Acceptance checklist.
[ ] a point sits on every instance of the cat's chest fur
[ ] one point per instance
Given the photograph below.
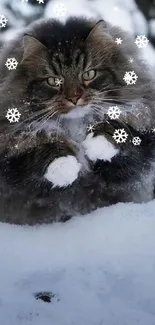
(75, 129)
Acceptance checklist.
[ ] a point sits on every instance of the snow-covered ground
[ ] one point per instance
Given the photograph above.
(100, 267)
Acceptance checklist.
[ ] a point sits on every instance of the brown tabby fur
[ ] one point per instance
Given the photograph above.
(46, 132)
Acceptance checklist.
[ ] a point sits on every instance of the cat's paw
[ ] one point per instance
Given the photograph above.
(63, 171)
(99, 148)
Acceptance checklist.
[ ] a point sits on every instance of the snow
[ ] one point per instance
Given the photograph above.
(99, 148)
(73, 8)
(101, 268)
(152, 27)
(63, 171)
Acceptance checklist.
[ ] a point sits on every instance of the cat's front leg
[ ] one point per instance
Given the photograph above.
(42, 156)
(100, 144)
(63, 171)
(99, 148)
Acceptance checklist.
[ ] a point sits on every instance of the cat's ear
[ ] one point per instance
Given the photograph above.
(31, 48)
(99, 32)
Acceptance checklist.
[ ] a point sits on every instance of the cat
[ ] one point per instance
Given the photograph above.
(61, 158)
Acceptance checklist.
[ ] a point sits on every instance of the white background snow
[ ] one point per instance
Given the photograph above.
(101, 267)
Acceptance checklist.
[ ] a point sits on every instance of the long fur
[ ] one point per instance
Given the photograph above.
(44, 133)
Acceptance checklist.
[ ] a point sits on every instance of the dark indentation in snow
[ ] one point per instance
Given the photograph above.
(45, 296)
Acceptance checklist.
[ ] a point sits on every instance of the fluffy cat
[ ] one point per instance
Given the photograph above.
(61, 159)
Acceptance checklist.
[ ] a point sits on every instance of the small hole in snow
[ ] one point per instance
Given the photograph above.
(44, 296)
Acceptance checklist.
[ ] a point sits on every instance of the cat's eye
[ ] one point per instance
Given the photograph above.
(55, 81)
(89, 75)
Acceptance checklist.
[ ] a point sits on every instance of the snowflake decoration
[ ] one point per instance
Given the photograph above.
(141, 41)
(90, 128)
(13, 115)
(40, 1)
(130, 78)
(59, 9)
(136, 141)
(118, 41)
(120, 136)
(114, 112)
(131, 60)
(3, 21)
(11, 63)
(58, 82)
(153, 130)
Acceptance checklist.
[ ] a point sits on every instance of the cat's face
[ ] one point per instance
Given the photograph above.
(71, 72)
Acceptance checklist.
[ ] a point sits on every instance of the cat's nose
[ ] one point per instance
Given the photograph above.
(74, 99)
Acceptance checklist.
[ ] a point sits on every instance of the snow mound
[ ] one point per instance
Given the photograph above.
(100, 267)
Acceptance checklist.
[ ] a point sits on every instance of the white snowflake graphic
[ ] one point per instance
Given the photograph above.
(90, 128)
(58, 82)
(131, 60)
(114, 112)
(130, 78)
(118, 41)
(120, 136)
(59, 9)
(136, 141)
(153, 130)
(11, 63)
(141, 41)
(3, 21)
(40, 1)
(13, 115)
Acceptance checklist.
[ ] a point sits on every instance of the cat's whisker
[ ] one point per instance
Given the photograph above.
(30, 118)
(115, 89)
(102, 109)
(39, 120)
(48, 103)
(125, 125)
(123, 100)
(105, 110)
(58, 121)
(37, 125)
(34, 115)
(49, 117)
(125, 107)
(104, 88)
(48, 111)
(118, 98)
(98, 111)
